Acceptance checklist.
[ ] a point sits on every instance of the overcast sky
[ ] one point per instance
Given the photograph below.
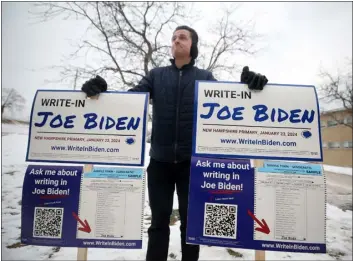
(300, 39)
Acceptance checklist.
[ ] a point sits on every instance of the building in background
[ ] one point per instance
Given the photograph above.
(336, 135)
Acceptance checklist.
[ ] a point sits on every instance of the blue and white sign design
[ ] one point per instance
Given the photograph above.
(280, 207)
(279, 122)
(50, 196)
(66, 127)
(220, 199)
(62, 206)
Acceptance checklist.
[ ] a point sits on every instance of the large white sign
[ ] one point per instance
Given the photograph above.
(67, 127)
(279, 122)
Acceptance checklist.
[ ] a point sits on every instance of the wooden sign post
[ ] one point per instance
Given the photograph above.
(260, 255)
(82, 254)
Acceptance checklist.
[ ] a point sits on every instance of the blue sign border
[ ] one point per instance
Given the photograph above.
(141, 164)
(246, 156)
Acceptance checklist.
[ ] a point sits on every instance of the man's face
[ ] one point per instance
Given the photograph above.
(181, 43)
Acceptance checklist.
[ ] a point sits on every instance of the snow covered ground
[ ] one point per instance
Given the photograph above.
(336, 169)
(14, 145)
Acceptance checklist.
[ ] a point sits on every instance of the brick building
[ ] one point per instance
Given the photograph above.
(337, 137)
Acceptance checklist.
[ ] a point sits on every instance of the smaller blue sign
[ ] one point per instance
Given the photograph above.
(221, 195)
(50, 195)
(222, 205)
(50, 206)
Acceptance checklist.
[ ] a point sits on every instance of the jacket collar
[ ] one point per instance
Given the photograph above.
(186, 66)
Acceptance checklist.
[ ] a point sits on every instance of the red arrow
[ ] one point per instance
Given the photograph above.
(85, 226)
(263, 226)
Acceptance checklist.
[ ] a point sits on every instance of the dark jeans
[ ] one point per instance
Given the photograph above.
(162, 179)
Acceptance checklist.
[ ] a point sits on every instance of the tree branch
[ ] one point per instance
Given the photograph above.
(130, 38)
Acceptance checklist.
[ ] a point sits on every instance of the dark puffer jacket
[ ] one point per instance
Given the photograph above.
(172, 92)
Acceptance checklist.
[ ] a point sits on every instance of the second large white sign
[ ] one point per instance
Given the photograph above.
(279, 122)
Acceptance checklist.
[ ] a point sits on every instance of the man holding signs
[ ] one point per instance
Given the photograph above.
(172, 89)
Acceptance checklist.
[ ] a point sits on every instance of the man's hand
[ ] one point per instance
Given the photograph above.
(94, 86)
(255, 81)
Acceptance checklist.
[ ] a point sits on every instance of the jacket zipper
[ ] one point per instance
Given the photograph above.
(177, 119)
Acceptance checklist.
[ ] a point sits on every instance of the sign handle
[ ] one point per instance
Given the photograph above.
(260, 255)
(82, 252)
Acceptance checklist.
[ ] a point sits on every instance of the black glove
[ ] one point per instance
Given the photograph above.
(255, 81)
(94, 86)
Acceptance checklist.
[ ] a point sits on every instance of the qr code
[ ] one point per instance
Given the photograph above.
(48, 222)
(220, 220)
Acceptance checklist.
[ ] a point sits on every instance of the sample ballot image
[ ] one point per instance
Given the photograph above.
(111, 201)
(292, 199)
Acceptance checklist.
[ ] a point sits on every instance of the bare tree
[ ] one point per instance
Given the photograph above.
(338, 89)
(232, 38)
(133, 37)
(11, 100)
